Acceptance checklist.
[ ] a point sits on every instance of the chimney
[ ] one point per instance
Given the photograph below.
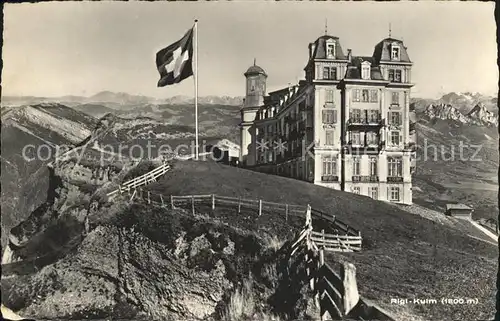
(349, 55)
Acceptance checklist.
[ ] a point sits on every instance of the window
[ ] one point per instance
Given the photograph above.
(355, 138)
(371, 138)
(374, 193)
(356, 190)
(329, 166)
(329, 96)
(373, 166)
(373, 96)
(333, 73)
(395, 167)
(329, 137)
(329, 116)
(330, 50)
(395, 75)
(365, 95)
(395, 98)
(355, 95)
(395, 118)
(394, 194)
(395, 52)
(356, 115)
(395, 138)
(330, 73)
(373, 116)
(365, 72)
(355, 166)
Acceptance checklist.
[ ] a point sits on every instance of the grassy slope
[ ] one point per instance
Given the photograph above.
(404, 255)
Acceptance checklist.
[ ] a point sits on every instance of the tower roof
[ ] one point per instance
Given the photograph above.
(255, 70)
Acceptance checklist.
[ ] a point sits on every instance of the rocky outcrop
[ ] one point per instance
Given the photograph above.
(445, 111)
(481, 116)
(158, 264)
(478, 115)
(32, 136)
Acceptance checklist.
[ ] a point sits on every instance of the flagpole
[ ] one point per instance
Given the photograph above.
(196, 85)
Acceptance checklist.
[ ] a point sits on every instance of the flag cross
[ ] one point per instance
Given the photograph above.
(175, 64)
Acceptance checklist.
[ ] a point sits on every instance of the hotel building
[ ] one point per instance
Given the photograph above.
(346, 126)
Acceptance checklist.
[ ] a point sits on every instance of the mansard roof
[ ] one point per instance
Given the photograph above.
(382, 52)
(320, 48)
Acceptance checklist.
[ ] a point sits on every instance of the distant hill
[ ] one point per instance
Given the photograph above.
(119, 101)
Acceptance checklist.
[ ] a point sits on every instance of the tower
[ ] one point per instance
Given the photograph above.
(254, 99)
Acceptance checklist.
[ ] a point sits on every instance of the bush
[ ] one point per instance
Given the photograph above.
(273, 242)
(241, 305)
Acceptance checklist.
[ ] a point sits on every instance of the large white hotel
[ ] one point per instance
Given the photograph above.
(346, 126)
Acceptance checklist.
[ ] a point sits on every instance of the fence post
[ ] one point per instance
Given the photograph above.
(120, 189)
(213, 202)
(333, 216)
(133, 194)
(192, 202)
(172, 201)
(286, 212)
(162, 203)
(323, 237)
(239, 205)
(260, 207)
(149, 198)
(321, 257)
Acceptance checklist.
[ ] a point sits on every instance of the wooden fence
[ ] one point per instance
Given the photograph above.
(350, 242)
(327, 284)
(140, 181)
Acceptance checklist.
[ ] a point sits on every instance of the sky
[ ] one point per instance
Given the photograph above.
(81, 48)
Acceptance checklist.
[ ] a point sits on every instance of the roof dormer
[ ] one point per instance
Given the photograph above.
(366, 70)
(395, 51)
(331, 50)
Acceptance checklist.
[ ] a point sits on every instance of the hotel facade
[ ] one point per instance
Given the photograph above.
(346, 126)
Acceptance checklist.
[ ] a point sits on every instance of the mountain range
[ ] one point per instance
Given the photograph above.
(478, 115)
(119, 100)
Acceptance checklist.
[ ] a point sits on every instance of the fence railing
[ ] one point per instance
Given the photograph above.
(192, 202)
(141, 180)
(335, 242)
(327, 284)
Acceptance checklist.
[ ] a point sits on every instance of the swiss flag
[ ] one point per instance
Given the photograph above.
(174, 62)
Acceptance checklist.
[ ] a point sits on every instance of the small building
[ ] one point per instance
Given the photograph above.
(459, 211)
(224, 151)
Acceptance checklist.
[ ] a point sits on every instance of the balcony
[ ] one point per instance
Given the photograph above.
(365, 179)
(394, 179)
(329, 178)
(396, 126)
(351, 122)
(362, 149)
